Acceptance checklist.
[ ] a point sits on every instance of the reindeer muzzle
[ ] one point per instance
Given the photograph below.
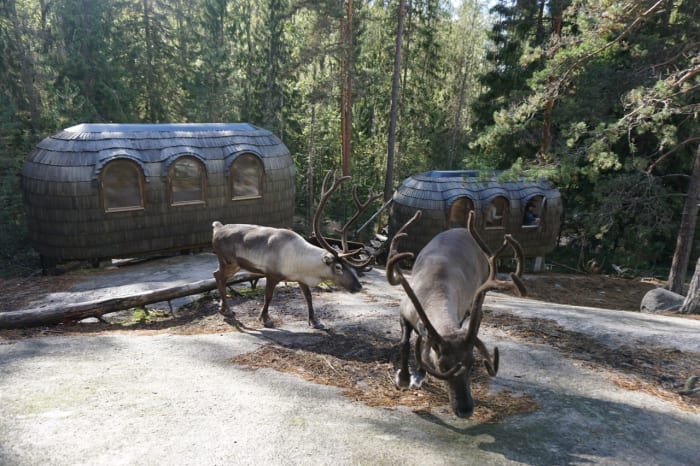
(453, 372)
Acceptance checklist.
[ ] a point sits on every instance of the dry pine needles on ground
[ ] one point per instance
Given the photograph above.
(372, 383)
(656, 370)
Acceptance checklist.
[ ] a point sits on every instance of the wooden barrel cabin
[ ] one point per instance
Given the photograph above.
(529, 210)
(102, 191)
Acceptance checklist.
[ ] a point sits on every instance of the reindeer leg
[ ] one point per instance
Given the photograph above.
(403, 375)
(313, 321)
(270, 284)
(418, 376)
(221, 275)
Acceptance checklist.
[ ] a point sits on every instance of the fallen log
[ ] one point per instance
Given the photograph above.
(64, 313)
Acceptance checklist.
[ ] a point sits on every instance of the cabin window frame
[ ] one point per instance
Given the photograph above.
(232, 177)
(202, 180)
(458, 219)
(504, 213)
(104, 190)
(541, 213)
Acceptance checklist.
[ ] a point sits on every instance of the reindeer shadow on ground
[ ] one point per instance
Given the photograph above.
(587, 430)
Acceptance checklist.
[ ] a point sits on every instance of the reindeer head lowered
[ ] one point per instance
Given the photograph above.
(454, 271)
(282, 254)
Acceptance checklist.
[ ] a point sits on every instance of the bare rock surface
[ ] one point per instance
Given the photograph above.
(169, 397)
(661, 300)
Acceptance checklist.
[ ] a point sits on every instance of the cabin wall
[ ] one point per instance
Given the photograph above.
(66, 218)
(434, 195)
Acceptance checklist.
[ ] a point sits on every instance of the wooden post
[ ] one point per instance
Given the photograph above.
(538, 266)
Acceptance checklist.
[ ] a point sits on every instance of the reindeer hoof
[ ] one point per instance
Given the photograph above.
(317, 324)
(402, 379)
(267, 323)
(417, 380)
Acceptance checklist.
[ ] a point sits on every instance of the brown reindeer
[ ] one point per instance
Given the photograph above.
(281, 254)
(449, 280)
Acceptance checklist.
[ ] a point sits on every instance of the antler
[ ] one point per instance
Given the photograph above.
(361, 208)
(346, 255)
(491, 283)
(491, 367)
(325, 194)
(395, 276)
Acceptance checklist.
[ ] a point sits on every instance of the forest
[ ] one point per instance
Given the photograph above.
(600, 97)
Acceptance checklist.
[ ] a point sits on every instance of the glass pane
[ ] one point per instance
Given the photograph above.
(459, 212)
(495, 212)
(186, 181)
(246, 177)
(534, 210)
(121, 185)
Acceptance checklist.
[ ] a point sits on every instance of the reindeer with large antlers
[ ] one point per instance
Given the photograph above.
(281, 254)
(450, 278)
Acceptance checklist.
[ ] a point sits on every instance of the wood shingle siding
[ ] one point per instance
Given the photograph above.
(436, 192)
(63, 187)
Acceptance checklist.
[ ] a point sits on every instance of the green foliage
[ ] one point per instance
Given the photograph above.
(142, 315)
(16, 254)
(603, 101)
(620, 213)
(617, 89)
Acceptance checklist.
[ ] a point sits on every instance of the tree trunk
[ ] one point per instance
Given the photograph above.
(549, 105)
(27, 72)
(466, 62)
(310, 159)
(247, 111)
(77, 311)
(346, 91)
(389, 178)
(691, 305)
(684, 242)
(151, 105)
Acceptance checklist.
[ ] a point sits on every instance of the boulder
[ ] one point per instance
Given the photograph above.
(661, 300)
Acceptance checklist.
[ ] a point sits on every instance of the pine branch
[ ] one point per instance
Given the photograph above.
(675, 148)
(638, 21)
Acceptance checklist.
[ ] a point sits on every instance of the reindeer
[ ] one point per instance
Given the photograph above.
(450, 278)
(281, 254)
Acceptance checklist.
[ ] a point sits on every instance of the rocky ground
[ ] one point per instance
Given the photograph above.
(179, 383)
(604, 291)
(361, 375)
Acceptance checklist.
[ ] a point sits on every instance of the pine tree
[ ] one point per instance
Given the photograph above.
(617, 84)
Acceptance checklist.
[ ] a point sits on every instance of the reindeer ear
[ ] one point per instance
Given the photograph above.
(328, 259)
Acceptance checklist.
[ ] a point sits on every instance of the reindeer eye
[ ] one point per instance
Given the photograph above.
(338, 269)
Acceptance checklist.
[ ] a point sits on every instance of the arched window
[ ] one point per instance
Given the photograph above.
(246, 177)
(533, 214)
(459, 212)
(122, 186)
(187, 181)
(496, 213)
